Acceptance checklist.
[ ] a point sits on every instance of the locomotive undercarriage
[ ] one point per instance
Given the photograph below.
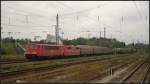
(35, 57)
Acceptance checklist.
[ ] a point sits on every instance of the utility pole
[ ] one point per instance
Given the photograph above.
(88, 34)
(62, 34)
(9, 34)
(57, 30)
(104, 32)
(1, 38)
(99, 37)
(99, 34)
(9, 20)
(27, 19)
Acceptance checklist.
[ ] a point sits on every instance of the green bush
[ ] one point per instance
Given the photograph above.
(7, 48)
(8, 45)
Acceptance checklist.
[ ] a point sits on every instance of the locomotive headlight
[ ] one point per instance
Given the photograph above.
(30, 52)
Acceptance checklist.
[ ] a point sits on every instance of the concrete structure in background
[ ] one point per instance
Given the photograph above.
(52, 39)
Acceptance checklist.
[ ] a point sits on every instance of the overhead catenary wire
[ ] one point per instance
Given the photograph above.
(89, 16)
(22, 25)
(138, 9)
(19, 32)
(89, 10)
(66, 14)
(23, 11)
(81, 11)
(47, 17)
(139, 12)
(23, 21)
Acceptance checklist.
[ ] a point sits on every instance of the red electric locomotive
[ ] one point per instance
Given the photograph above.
(44, 51)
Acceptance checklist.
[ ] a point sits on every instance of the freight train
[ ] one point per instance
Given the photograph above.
(45, 51)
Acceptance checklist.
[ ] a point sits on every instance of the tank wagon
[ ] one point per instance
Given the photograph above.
(86, 50)
(45, 51)
(101, 50)
(124, 50)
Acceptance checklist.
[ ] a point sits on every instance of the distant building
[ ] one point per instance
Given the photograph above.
(52, 39)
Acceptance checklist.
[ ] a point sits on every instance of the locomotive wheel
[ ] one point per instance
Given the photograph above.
(31, 56)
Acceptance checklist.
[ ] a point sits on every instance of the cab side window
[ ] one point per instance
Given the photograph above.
(47, 47)
(69, 48)
(52, 47)
(77, 48)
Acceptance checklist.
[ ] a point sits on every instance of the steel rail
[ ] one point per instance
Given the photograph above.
(146, 75)
(131, 73)
(51, 66)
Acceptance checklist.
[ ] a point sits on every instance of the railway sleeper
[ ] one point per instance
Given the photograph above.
(109, 71)
(131, 73)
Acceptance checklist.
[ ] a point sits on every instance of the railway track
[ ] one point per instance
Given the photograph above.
(57, 77)
(13, 61)
(61, 59)
(138, 75)
(15, 75)
(109, 71)
(58, 74)
(146, 76)
(25, 61)
(70, 62)
(8, 75)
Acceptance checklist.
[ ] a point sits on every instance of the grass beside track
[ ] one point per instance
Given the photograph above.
(30, 65)
(12, 57)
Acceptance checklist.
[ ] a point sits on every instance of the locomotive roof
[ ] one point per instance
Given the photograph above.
(67, 45)
(46, 44)
(52, 45)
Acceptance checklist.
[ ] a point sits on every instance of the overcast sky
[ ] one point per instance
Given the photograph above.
(127, 21)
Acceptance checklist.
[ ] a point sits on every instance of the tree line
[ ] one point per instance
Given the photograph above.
(8, 44)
